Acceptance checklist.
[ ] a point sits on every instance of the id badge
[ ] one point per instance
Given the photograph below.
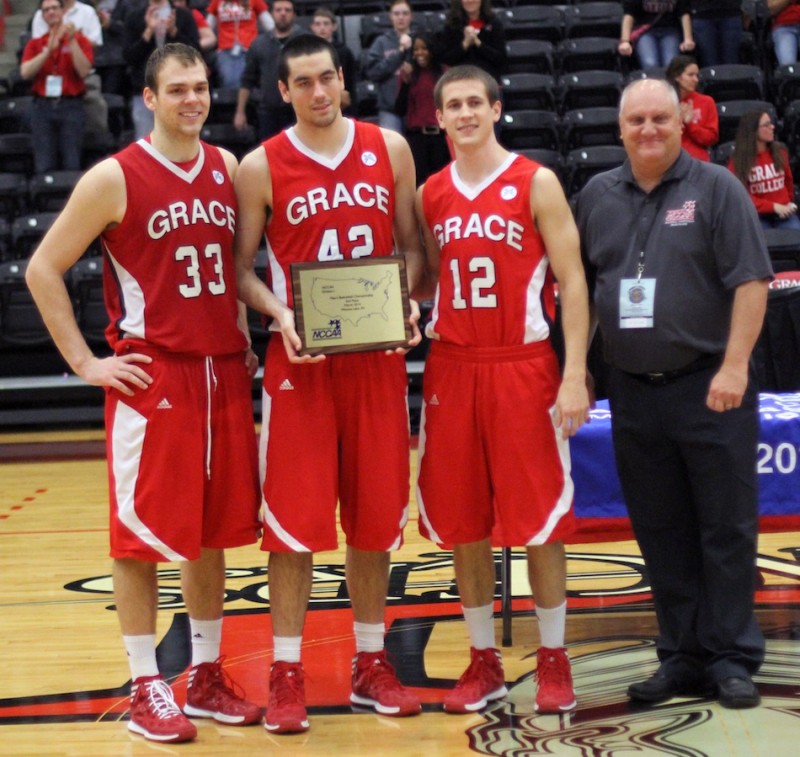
(53, 86)
(636, 301)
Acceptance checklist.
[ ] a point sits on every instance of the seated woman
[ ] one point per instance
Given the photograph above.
(698, 111)
(762, 165)
(657, 29)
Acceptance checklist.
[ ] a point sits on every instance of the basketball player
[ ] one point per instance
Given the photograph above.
(181, 449)
(328, 188)
(494, 456)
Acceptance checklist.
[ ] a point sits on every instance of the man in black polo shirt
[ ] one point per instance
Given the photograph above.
(680, 271)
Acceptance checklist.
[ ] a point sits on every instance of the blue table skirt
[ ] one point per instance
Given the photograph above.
(598, 500)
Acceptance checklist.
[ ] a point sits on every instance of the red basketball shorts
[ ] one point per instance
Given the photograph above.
(182, 458)
(334, 430)
(491, 463)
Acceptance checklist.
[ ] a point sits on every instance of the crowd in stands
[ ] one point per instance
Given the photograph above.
(82, 70)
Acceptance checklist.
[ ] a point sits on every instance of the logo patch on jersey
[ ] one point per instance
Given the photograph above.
(164, 404)
(369, 158)
(433, 400)
(218, 177)
(681, 216)
(286, 386)
(508, 192)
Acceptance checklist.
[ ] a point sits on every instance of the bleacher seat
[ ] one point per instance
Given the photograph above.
(589, 89)
(227, 136)
(118, 113)
(16, 153)
(96, 146)
(27, 231)
(372, 25)
(86, 285)
(49, 191)
(550, 158)
(595, 19)
(732, 81)
(366, 99)
(785, 85)
(790, 126)
(20, 322)
(530, 56)
(589, 127)
(656, 72)
(731, 112)
(5, 240)
(784, 248)
(581, 164)
(524, 129)
(14, 199)
(15, 114)
(587, 54)
(528, 91)
(722, 151)
(533, 22)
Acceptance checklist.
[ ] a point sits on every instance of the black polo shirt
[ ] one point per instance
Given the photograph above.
(701, 239)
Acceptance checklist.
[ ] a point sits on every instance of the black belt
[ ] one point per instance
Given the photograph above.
(660, 378)
(429, 130)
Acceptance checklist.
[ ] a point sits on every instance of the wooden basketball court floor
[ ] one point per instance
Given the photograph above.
(63, 674)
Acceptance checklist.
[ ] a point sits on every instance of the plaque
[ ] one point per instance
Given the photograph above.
(351, 305)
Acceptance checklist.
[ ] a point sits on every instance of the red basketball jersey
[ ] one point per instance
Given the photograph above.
(336, 208)
(495, 285)
(170, 278)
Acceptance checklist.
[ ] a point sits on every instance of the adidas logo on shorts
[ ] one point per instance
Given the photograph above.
(286, 386)
(164, 405)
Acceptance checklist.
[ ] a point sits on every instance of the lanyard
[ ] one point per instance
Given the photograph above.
(643, 235)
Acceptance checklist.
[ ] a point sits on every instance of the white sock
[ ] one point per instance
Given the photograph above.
(480, 624)
(369, 636)
(206, 639)
(141, 655)
(286, 648)
(552, 621)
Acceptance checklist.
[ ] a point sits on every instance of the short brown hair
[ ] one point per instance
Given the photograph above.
(466, 73)
(188, 56)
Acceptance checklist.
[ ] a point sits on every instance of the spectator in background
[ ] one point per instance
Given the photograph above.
(474, 34)
(385, 58)
(416, 104)
(58, 61)
(150, 24)
(717, 30)
(698, 111)
(82, 16)
(785, 29)
(109, 58)
(762, 165)
(206, 35)
(657, 29)
(236, 23)
(261, 73)
(324, 24)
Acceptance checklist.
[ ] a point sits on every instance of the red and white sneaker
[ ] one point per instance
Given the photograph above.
(554, 691)
(286, 711)
(154, 713)
(375, 685)
(213, 694)
(482, 682)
